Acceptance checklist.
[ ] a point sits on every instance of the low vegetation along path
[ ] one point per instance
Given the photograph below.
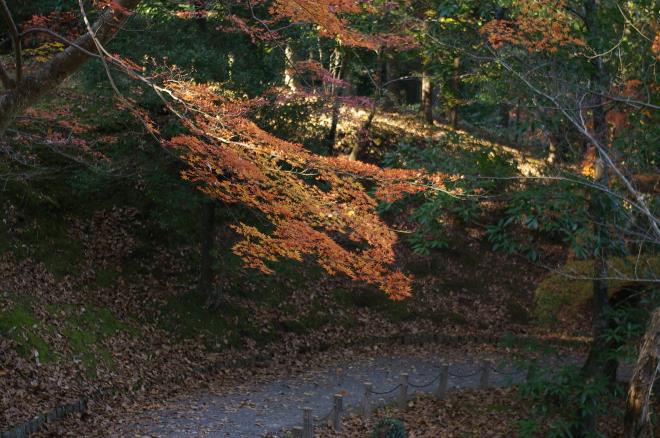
(259, 409)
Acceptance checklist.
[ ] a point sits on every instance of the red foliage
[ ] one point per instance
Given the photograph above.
(330, 17)
(315, 205)
(539, 25)
(66, 24)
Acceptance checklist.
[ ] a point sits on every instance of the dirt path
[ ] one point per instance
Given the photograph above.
(261, 408)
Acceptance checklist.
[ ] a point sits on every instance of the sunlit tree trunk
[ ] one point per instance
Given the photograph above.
(363, 133)
(339, 63)
(390, 88)
(426, 105)
(637, 416)
(289, 70)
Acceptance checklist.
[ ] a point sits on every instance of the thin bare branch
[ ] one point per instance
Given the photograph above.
(630, 22)
(581, 127)
(100, 49)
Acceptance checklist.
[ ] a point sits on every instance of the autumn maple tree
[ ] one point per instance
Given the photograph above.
(315, 205)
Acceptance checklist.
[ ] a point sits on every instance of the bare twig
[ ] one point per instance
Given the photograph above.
(630, 22)
(100, 49)
(579, 124)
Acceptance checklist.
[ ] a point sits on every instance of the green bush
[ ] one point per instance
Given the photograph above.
(388, 428)
(561, 292)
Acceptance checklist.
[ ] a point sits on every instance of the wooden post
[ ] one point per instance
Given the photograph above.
(337, 409)
(297, 432)
(531, 370)
(485, 374)
(308, 427)
(442, 381)
(403, 391)
(366, 401)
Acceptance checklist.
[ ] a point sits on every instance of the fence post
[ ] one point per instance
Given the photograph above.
(403, 390)
(336, 412)
(531, 370)
(485, 374)
(366, 401)
(442, 381)
(308, 427)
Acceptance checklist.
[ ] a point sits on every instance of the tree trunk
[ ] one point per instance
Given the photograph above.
(366, 126)
(426, 106)
(338, 66)
(289, 70)
(518, 122)
(51, 74)
(331, 137)
(637, 419)
(205, 285)
(600, 358)
(505, 118)
(363, 133)
(456, 86)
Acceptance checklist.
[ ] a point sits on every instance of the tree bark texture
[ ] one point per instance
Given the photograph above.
(637, 414)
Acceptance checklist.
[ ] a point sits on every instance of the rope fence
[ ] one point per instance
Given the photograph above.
(366, 405)
(387, 392)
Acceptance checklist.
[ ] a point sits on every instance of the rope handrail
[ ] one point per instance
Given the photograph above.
(325, 418)
(333, 417)
(435, 379)
(508, 373)
(387, 392)
(463, 376)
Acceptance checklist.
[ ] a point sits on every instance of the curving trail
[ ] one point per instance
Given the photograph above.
(260, 409)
